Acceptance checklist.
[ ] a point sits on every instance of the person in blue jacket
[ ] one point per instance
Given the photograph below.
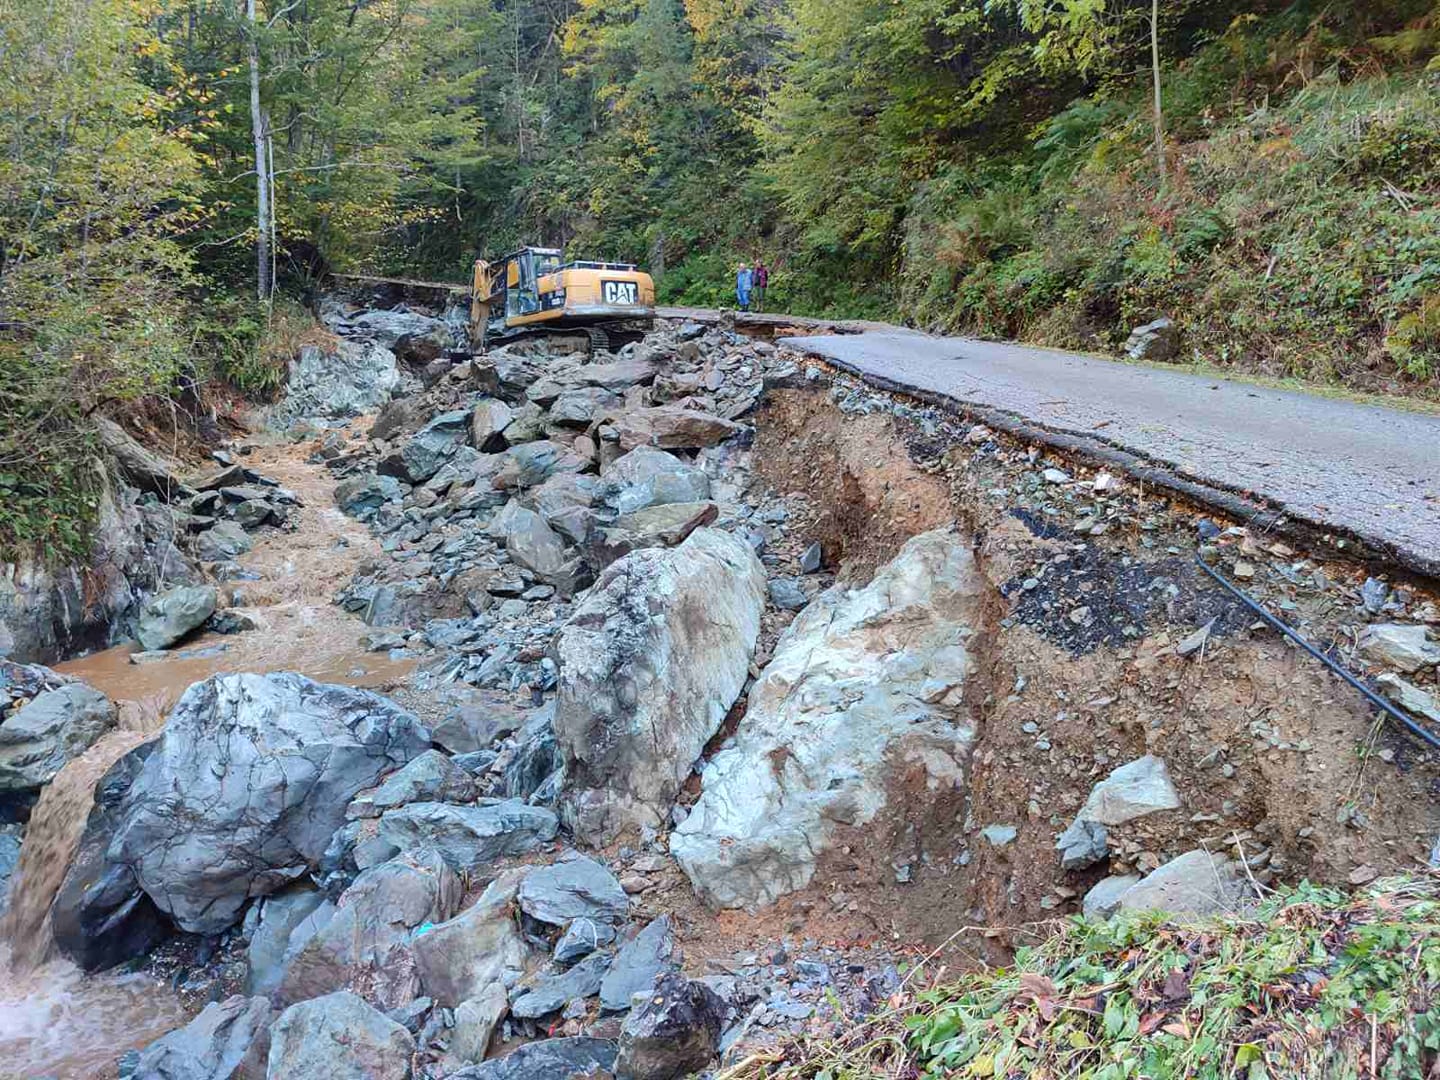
(744, 281)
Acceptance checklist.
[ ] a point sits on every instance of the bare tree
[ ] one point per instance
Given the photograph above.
(1159, 105)
(260, 129)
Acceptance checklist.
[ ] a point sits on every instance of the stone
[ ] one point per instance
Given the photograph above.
(254, 513)
(649, 477)
(575, 887)
(460, 959)
(671, 427)
(338, 1035)
(1197, 883)
(1084, 843)
(549, 1059)
(403, 331)
(668, 524)
(431, 777)
(428, 449)
(369, 936)
(9, 859)
(1103, 899)
(999, 835)
(580, 406)
(100, 917)
(1132, 791)
(674, 1033)
(470, 837)
(649, 664)
(1158, 340)
(476, 727)
(139, 467)
(38, 739)
(349, 379)
(842, 708)
(637, 965)
(475, 1022)
(581, 938)
(549, 992)
(787, 595)
(361, 496)
(231, 621)
(1193, 643)
(203, 838)
(533, 545)
(488, 422)
(229, 1040)
(223, 541)
(169, 616)
(1405, 648)
(280, 914)
(1408, 697)
(531, 464)
(811, 559)
(618, 375)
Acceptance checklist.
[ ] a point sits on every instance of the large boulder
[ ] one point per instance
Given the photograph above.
(649, 665)
(461, 959)
(37, 740)
(649, 477)
(580, 406)
(360, 496)
(617, 375)
(1196, 884)
(640, 961)
(139, 467)
(250, 780)
(531, 464)
(575, 887)
(229, 1040)
(369, 937)
(415, 338)
(671, 427)
(100, 916)
(551, 991)
(351, 378)
(168, 616)
(429, 448)
(532, 544)
(675, 1033)
(549, 1059)
(280, 915)
(861, 706)
(338, 1036)
(469, 837)
(488, 423)
(431, 777)
(223, 541)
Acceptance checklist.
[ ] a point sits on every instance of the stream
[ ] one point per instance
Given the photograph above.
(56, 1021)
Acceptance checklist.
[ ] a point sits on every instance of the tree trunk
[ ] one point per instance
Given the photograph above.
(264, 222)
(1159, 105)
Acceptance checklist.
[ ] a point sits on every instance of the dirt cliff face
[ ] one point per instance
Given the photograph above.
(1095, 590)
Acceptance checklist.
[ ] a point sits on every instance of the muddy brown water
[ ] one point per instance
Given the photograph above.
(54, 1020)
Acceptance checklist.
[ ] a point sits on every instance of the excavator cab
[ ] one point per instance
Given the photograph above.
(535, 290)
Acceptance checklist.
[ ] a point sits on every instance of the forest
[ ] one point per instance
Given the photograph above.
(177, 175)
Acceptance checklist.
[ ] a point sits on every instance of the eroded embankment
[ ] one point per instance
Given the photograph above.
(1079, 669)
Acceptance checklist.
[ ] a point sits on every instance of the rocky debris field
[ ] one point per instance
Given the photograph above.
(739, 688)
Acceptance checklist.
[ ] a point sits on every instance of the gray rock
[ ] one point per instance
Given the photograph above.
(223, 541)
(811, 559)
(1158, 340)
(254, 513)
(470, 837)
(100, 916)
(1103, 899)
(618, 375)
(423, 454)
(139, 467)
(1197, 883)
(229, 1040)
(1134, 790)
(636, 966)
(475, 1022)
(475, 727)
(531, 464)
(1408, 697)
(203, 838)
(407, 332)
(674, 1033)
(579, 407)
(167, 617)
(999, 835)
(488, 423)
(533, 545)
(338, 1036)
(831, 718)
(786, 594)
(350, 379)
(671, 427)
(649, 477)
(549, 1059)
(549, 992)
(431, 777)
(9, 858)
(1084, 843)
(461, 959)
(369, 935)
(1405, 648)
(280, 914)
(581, 938)
(361, 496)
(37, 740)
(575, 887)
(649, 664)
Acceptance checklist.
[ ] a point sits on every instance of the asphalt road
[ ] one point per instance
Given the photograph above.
(1371, 472)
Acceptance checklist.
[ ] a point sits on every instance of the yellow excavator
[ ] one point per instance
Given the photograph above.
(534, 290)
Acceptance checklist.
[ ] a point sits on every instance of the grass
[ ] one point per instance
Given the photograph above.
(1312, 984)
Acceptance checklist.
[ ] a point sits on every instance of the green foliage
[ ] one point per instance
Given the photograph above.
(1311, 984)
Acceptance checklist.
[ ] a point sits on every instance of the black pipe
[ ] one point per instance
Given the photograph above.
(1294, 635)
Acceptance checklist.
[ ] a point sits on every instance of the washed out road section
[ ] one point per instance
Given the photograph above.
(1362, 470)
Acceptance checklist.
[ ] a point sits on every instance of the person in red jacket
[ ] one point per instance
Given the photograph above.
(761, 282)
